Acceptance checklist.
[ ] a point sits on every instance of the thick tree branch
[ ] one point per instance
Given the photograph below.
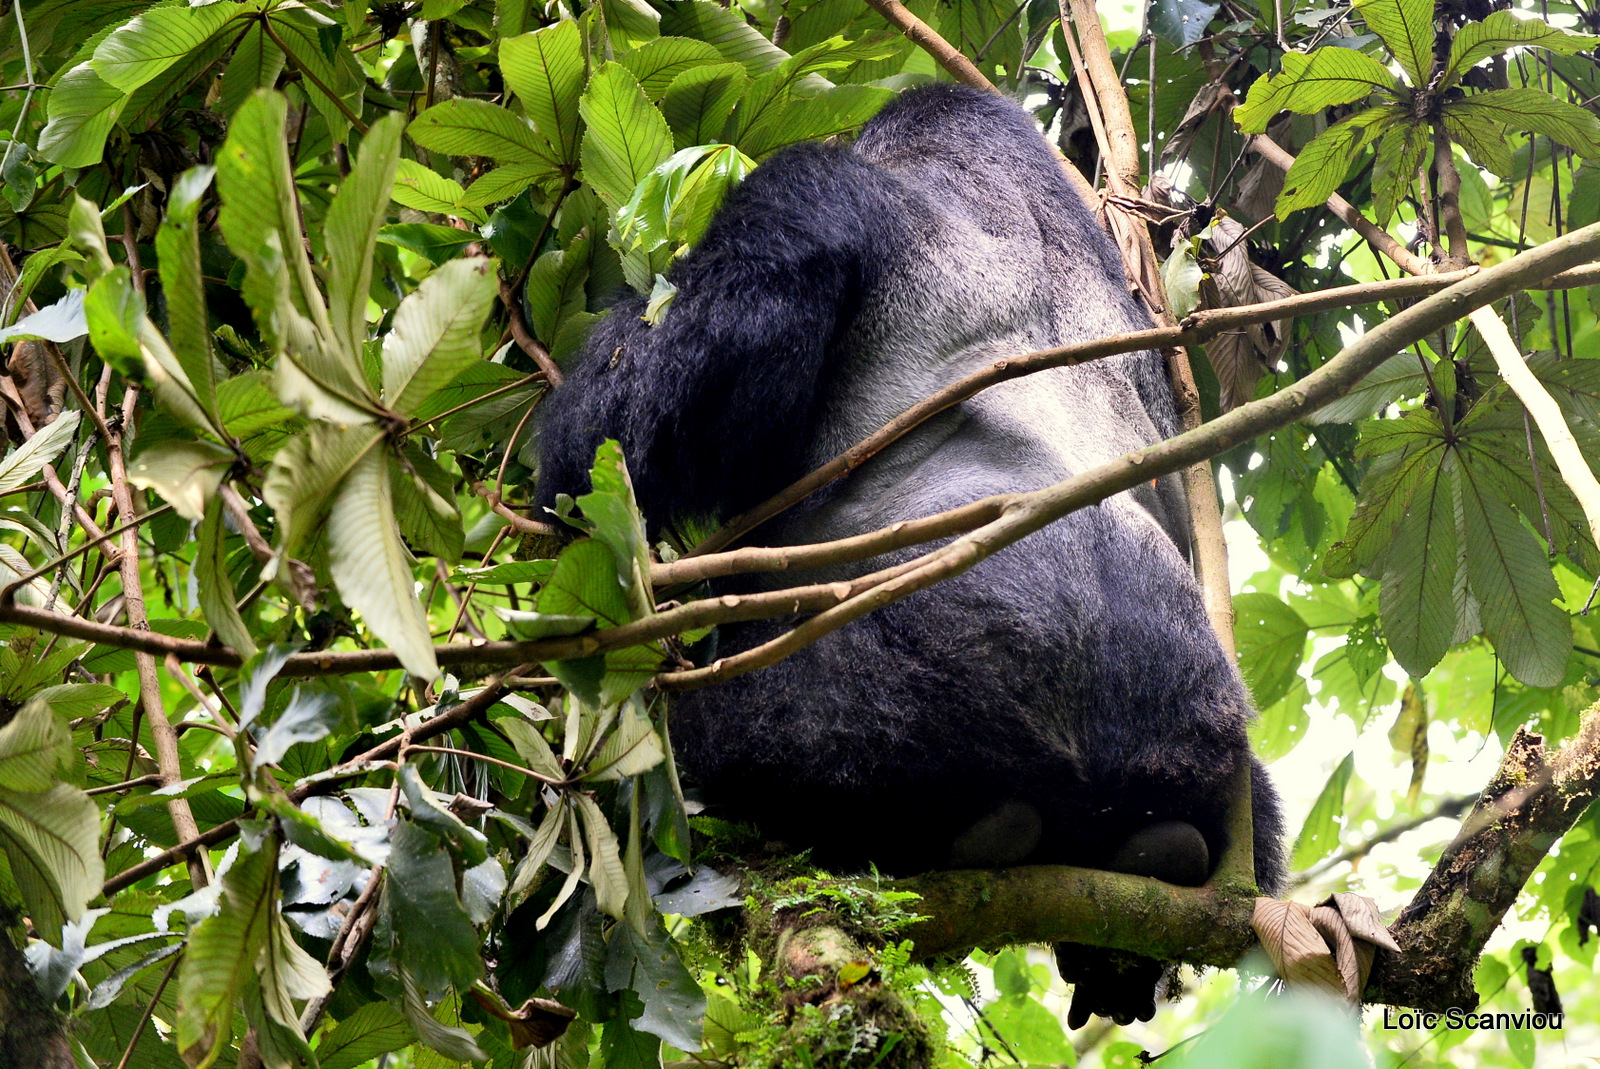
(1529, 804)
(927, 38)
(155, 713)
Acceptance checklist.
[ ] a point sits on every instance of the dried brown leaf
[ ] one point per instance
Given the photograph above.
(1296, 948)
(1331, 926)
(1362, 918)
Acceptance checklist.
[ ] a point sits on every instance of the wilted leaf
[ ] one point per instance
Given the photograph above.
(1296, 949)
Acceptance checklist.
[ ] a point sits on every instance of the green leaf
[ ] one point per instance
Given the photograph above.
(1417, 596)
(674, 1005)
(1396, 379)
(585, 584)
(546, 70)
(370, 566)
(1483, 139)
(1308, 83)
(1404, 450)
(467, 843)
(222, 955)
(34, 748)
(376, 1028)
(1271, 639)
(22, 465)
(830, 113)
(214, 586)
(424, 505)
(417, 187)
(725, 30)
(1400, 154)
(630, 23)
(1503, 30)
(1180, 277)
(1320, 168)
(435, 331)
(303, 33)
(555, 288)
(658, 63)
(256, 64)
(83, 109)
(504, 183)
(185, 472)
(260, 219)
(1406, 26)
(305, 473)
(1510, 576)
(52, 841)
(421, 923)
(531, 746)
(1028, 1029)
(626, 137)
(698, 102)
(1537, 112)
(1319, 836)
(437, 243)
(606, 874)
(1180, 23)
(351, 231)
(247, 405)
(613, 514)
(178, 254)
(149, 44)
(464, 126)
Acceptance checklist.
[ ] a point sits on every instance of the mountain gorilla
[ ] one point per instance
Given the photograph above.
(1063, 702)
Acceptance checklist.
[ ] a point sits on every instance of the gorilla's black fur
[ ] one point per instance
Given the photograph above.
(1064, 701)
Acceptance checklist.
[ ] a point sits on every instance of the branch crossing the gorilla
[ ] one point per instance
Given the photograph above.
(984, 526)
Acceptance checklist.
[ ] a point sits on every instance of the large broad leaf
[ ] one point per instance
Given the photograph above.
(1502, 30)
(83, 109)
(305, 473)
(1482, 137)
(222, 954)
(425, 507)
(546, 71)
(52, 840)
(585, 584)
(1319, 836)
(155, 40)
(1536, 111)
(764, 104)
(1309, 83)
(259, 217)
(468, 127)
(435, 332)
(657, 63)
(351, 231)
(1403, 452)
(422, 928)
(304, 33)
(375, 1029)
(1271, 638)
(178, 253)
(1398, 378)
(62, 321)
(1406, 26)
(626, 137)
(370, 565)
(1181, 23)
(725, 30)
(417, 187)
(34, 748)
(830, 113)
(1417, 597)
(214, 586)
(698, 102)
(674, 1005)
(255, 64)
(606, 874)
(185, 473)
(1510, 576)
(21, 466)
(1400, 154)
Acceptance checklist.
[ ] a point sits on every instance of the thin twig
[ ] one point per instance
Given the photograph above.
(149, 1011)
(414, 748)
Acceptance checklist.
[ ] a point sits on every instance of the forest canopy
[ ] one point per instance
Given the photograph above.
(320, 745)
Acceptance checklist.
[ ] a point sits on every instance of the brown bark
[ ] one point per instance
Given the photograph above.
(31, 1031)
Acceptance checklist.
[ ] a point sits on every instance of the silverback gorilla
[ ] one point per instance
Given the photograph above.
(1063, 702)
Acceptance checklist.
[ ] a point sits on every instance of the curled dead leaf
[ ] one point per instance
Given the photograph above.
(1295, 946)
(1361, 916)
(538, 1022)
(1330, 925)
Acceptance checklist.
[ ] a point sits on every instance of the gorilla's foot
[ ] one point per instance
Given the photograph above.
(1005, 836)
(1173, 851)
(1108, 983)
